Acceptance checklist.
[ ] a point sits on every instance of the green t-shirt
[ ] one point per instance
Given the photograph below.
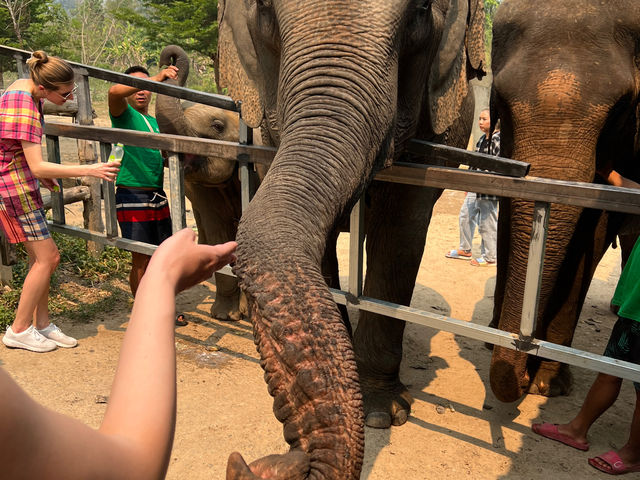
(627, 295)
(141, 167)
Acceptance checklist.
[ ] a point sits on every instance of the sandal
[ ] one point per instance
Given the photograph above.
(459, 254)
(180, 321)
(481, 262)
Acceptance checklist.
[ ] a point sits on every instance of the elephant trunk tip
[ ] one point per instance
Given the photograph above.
(290, 466)
(506, 384)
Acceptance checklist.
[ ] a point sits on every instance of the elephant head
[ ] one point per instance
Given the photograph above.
(566, 89)
(340, 86)
(195, 120)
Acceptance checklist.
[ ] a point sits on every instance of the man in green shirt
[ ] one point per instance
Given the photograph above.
(141, 203)
(624, 344)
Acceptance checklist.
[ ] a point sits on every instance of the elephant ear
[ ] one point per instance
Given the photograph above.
(448, 81)
(233, 30)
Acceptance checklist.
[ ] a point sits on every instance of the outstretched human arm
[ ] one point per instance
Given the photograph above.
(41, 169)
(135, 438)
(118, 93)
(617, 180)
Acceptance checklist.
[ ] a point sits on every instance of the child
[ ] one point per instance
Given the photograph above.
(624, 344)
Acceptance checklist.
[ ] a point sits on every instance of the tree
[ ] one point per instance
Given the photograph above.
(490, 7)
(192, 24)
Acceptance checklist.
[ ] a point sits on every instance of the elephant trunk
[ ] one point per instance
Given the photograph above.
(194, 120)
(557, 149)
(332, 135)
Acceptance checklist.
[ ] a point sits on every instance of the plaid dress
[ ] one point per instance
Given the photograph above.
(20, 119)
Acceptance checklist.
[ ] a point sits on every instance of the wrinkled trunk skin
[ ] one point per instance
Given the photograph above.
(571, 253)
(306, 351)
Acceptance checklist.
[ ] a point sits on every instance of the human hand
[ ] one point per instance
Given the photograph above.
(187, 263)
(50, 184)
(170, 72)
(106, 171)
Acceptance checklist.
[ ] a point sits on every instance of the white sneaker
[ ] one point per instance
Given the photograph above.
(54, 334)
(30, 339)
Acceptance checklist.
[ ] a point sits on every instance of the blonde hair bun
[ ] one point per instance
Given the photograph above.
(50, 72)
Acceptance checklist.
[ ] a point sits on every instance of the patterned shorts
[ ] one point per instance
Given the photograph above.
(624, 343)
(143, 215)
(29, 227)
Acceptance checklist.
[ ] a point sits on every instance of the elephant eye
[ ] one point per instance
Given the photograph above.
(264, 3)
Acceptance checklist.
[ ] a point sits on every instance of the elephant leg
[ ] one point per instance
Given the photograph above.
(217, 211)
(396, 234)
(332, 275)
(230, 304)
(551, 378)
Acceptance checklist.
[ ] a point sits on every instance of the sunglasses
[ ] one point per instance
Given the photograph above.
(69, 93)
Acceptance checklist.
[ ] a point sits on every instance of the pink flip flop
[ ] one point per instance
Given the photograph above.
(615, 463)
(550, 430)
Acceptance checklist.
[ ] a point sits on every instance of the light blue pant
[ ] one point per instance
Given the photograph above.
(483, 214)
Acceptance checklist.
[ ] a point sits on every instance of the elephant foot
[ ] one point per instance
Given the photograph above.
(384, 408)
(231, 308)
(552, 379)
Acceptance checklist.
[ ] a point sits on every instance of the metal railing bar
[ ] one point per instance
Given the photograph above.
(483, 333)
(582, 194)
(445, 155)
(214, 100)
(163, 141)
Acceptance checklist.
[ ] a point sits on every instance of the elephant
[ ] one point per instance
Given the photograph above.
(340, 88)
(566, 84)
(211, 184)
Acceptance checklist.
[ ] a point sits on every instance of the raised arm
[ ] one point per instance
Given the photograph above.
(118, 93)
(135, 438)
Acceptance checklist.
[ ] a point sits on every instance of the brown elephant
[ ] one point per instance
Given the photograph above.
(340, 87)
(211, 184)
(566, 89)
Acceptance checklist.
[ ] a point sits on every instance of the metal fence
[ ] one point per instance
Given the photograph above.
(508, 181)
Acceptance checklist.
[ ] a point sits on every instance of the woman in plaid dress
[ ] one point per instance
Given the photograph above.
(22, 169)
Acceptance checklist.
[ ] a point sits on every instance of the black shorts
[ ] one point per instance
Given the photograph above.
(143, 215)
(624, 342)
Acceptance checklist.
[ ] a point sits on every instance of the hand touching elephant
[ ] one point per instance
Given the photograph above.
(340, 88)
(566, 88)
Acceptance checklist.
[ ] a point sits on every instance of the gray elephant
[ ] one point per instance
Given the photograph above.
(211, 183)
(566, 89)
(340, 87)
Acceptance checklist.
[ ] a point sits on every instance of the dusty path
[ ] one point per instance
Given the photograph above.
(223, 405)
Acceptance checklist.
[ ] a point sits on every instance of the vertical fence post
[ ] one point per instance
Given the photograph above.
(87, 154)
(176, 189)
(356, 243)
(245, 137)
(57, 199)
(535, 263)
(109, 191)
(21, 66)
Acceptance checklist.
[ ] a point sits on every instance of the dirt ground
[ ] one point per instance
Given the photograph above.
(223, 404)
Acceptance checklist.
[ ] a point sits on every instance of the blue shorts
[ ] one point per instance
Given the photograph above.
(624, 343)
(143, 215)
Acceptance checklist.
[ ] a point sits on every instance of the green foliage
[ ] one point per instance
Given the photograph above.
(490, 7)
(192, 24)
(77, 272)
